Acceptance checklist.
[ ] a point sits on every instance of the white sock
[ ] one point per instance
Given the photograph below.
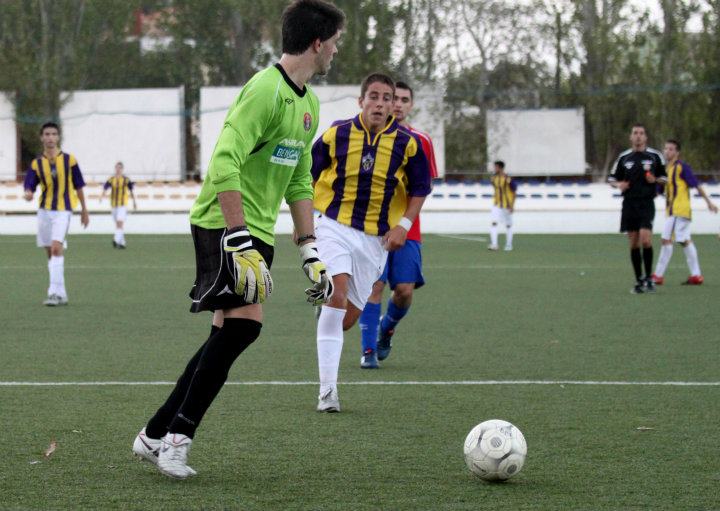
(692, 259)
(664, 259)
(118, 236)
(329, 345)
(493, 235)
(57, 275)
(509, 236)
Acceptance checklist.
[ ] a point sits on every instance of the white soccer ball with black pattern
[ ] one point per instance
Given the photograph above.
(495, 450)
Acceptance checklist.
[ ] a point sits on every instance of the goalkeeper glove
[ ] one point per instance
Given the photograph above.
(315, 269)
(252, 277)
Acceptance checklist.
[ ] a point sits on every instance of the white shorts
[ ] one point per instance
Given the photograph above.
(347, 250)
(501, 216)
(52, 226)
(677, 225)
(119, 213)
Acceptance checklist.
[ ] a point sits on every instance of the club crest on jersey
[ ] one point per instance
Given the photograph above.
(368, 161)
(307, 121)
(629, 164)
(647, 164)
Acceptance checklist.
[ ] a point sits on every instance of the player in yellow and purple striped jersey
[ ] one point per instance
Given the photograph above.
(371, 179)
(61, 184)
(680, 179)
(121, 189)
(503, 206)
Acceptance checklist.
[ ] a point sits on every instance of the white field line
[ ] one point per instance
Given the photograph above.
(464, 238)
(612, 383)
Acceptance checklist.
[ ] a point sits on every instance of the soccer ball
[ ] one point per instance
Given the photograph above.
(495, 450)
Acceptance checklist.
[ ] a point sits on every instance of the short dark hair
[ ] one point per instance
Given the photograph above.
(49, 125)
(304, 21)
(500, 164)
(639, 125)
(673, 142)
(121, 164)
(376, 78)
(403, 85)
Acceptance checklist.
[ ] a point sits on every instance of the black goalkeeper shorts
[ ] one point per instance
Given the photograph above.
(637, 214)
(214, 287)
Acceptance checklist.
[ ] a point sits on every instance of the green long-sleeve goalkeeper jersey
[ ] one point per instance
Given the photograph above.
(263, 152)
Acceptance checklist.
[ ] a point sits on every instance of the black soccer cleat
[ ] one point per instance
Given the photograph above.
(639, 288)
(649, 285)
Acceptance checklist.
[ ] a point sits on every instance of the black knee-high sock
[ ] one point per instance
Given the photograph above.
(648, 259)
(158, 425)
(212, 370)
(636, 262)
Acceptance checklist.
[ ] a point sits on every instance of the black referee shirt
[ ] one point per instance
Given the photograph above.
(632, 165)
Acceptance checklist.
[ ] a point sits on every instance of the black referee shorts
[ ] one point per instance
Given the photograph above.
(637, 214)
(214, 287)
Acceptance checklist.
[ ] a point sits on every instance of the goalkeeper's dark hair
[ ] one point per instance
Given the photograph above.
(49, 125)
(673, 142)
(305, 21)
(404, 85)
(499, 163)
(376, 78)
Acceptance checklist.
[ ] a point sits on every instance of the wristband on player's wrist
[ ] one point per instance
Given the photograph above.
(405, 223)
(306, 237)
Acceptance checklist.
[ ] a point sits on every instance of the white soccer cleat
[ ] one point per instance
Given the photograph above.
(508, 248)
(328, 401)
(493, 248)
(146, 448)
(172, 459)
(52, 300)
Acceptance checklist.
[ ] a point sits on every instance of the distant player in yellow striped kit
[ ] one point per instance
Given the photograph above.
(680, 179)
(121, 188)
(61, 184)
(503, 206)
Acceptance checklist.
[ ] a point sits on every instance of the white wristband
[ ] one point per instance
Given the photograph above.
(405, 223)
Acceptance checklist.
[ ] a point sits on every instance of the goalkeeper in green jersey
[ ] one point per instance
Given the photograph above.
(263, 156)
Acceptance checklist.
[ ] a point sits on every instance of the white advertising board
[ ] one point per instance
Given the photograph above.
(8, 140)
(143, 128)
(537, 142)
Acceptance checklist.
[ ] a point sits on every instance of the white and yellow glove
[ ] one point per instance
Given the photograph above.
(316, 271)
(250, 271)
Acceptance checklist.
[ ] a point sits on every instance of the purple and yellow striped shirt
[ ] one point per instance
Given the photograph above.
(59, 179)
(364, 180)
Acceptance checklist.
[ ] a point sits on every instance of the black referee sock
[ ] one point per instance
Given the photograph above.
(157, 426)
(636, 262)
(212, 370)
(648, 259)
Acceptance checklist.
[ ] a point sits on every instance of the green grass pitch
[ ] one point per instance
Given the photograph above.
(557, 308)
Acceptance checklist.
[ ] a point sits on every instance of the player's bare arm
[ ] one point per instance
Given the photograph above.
(132, 195)
(395, 237)
(232, 210)
(712, 207)
(29, 195)
(84, 215)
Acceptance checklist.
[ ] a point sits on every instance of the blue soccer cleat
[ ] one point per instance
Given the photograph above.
(384, 344)
(369, 360)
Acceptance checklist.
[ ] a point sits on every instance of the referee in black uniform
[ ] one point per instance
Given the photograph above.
(636, 174)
